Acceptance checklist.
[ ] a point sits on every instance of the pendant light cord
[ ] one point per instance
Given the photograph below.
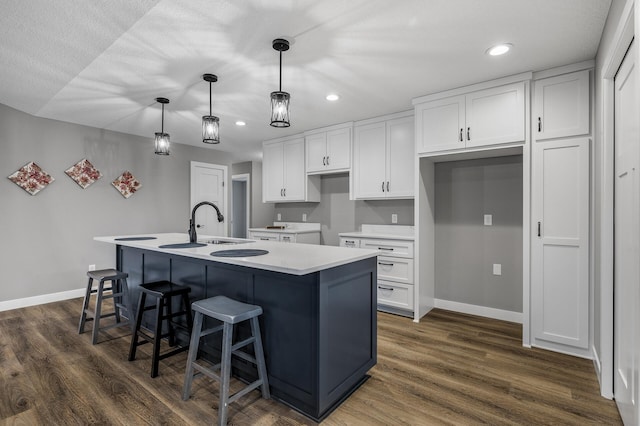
(281, 71)
(210, 113)
(162, 129)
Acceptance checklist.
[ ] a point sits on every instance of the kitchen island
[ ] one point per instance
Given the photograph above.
(319, 303)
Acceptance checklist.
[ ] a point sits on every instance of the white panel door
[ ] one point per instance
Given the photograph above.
(400, 157)
(272, 172)
(369, 161)
(626, 243)
(294, 171)
(495, 116)
(208, 184)
(560, 243)
(561, 106)
(440, 125)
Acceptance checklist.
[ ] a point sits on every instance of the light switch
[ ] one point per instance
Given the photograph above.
(279, 217)
(304, 217)
(394, 218)
(497, 269)
(488, 219)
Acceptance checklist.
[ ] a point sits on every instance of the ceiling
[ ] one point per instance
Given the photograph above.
(103, 63)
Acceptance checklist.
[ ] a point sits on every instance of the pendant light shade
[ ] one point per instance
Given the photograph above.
(210, 123)
(280, 100)
(162, 138)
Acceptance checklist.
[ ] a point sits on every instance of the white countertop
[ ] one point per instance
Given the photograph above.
(290, 258)
(387, 232)
(291, 228)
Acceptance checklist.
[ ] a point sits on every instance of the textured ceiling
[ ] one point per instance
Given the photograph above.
(102, 63)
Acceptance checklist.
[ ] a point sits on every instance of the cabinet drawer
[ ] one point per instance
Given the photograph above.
(399, 248)
(350, 242)
(264, 236)
(288, 238)
(395, 294)
(395, 269)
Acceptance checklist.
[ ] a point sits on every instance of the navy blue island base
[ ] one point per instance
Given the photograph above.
(318, 330)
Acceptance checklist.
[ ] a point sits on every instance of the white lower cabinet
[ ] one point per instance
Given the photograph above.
(395, 271)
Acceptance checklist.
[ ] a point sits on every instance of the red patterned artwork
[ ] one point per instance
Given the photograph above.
(127, 184)
(83, 173)
(31, 178)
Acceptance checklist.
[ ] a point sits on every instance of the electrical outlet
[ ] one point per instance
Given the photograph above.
(488, 219)
(304, 217)
(497, 269)
(394, 218)
(279, 217)
(92, 267)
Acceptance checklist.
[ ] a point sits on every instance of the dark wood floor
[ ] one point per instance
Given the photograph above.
(448, 369)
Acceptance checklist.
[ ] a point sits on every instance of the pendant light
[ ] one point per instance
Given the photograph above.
(210, 123)
(162, 138)
(280, 99)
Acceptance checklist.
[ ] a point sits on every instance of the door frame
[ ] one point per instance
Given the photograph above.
(604, 361)
(243, 177)
(225, 190)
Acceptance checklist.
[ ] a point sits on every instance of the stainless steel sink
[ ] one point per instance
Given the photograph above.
(222, 241)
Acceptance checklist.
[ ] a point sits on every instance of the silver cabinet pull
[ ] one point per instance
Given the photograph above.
(327, 160)
(539, 233)
(284, 191)
(382, 186)
(468, 133)
(324, 161)
(385, 288)
(539, 124)
(461, 130)
(387, 186)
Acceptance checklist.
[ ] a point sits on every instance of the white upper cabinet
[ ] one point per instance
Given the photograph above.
(328, 151)
(383, 158)
(561, 106)
(283, 173)
(481, 118)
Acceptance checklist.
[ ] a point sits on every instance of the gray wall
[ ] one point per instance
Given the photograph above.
(466, 249)
(261, 213)
(47, 239)
(338, 214)
(239, 204)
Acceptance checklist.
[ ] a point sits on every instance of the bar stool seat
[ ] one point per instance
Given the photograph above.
(230, 312)
(163, 291)
(119, 292)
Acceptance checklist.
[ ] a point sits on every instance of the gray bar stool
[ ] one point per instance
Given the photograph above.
(230, 312)
(119, 292)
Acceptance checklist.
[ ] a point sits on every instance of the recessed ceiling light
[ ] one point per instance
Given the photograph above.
(499, 49)
(240, 123)
(332, 97)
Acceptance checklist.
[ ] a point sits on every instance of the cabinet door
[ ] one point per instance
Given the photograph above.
(316, 152)
(440, 125)
(400, 158)
(272, 172)
(561, 106)
(560, 244)
(339, 149)
(294, 174)
(369, 162)
(495, 116)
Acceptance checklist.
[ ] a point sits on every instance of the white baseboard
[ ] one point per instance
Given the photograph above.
(481, 311)
(39, 300)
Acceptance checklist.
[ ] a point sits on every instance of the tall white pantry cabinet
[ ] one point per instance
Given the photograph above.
(560, 183)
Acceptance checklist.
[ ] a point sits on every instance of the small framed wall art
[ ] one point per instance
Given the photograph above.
(31, 178)
(83, 173)
(126, 184)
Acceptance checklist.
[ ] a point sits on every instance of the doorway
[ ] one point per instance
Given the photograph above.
(626, 240)
(240, 205)
(208, 184)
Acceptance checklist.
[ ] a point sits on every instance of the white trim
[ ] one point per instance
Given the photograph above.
(481, 311)
(244, 177)
(566, 69)
(346, 125)
(8, 305)
(474, 87)
(394, 116)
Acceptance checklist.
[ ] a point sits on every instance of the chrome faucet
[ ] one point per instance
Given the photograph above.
(193, 236)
